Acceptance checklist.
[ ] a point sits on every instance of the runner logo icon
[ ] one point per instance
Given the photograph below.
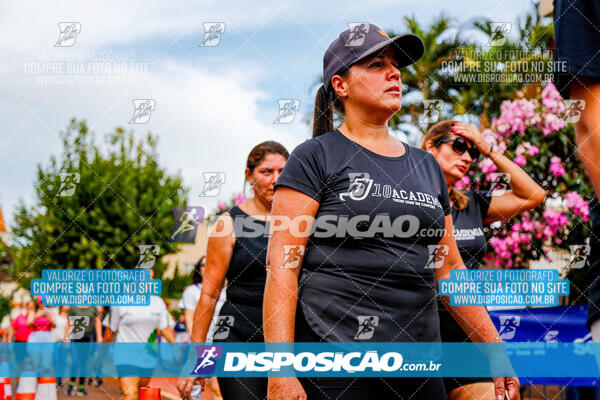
(207, 359)
(366, 326)
(223, 323)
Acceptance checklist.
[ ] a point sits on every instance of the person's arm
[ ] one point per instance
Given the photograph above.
(11, 333)
(188, 315)
(168, 334)
(31, 318)
(281, 287)
(525, 193)
(474, 320)
(218, 254)
(98, 328)
(67, 327)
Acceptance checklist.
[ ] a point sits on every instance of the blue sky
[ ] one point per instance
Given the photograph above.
(213, 104)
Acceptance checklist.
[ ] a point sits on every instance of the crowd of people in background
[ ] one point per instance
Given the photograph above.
(31, 322)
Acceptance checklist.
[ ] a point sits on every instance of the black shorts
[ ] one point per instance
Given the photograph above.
(364, 388)
(577, 41)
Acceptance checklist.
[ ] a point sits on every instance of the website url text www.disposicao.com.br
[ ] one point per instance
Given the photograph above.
(98, 299)
(324, 362)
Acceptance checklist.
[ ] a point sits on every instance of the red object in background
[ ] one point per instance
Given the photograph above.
(149, 393)
(2, 224)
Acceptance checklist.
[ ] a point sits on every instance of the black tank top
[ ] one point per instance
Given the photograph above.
(247, 272)
(240, 318)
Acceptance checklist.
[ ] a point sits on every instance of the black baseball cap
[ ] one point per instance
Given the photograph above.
(362, 41)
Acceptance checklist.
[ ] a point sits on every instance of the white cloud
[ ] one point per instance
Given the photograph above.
(206, 121)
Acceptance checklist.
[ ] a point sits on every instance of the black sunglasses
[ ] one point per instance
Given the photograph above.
(459, 145)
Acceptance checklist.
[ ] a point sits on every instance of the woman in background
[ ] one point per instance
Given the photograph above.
(240, 255)
(456, 146)
(58, 334)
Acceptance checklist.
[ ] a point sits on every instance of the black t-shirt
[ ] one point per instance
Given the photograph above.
(468, 228)
(378, 282)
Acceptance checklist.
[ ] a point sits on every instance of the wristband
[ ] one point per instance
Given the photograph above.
(491, 149)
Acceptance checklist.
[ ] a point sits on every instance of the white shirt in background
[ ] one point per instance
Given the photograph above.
(190, 298)
(136, 324)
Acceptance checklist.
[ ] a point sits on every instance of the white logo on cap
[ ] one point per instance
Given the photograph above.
(358, 32)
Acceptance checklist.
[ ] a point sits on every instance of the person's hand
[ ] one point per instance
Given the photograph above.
(510, 385)
(285, 389)
(472, 134)
(184, 385)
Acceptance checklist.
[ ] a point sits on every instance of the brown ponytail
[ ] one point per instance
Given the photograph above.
(323, 115)
(325, 104)
(438, 132)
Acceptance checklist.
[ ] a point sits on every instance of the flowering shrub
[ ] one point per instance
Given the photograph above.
(533, 133)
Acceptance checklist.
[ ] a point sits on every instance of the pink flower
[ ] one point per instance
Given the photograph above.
(533, 150)
(527, 226)
(552, 123)
(487, 166)
(520, 160)
(464, 182)
(221, 206)
(551, 99)
(524, 238)
(555, 220)
(556, 167)
(578, 205)
(240, 198)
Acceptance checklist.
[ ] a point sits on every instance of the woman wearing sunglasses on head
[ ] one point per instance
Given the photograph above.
(456, 146)
(352, 285)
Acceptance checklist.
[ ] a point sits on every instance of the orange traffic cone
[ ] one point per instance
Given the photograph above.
(46, 389)
(4, 376)
(7, 389)
(27, 382)
(149, 393)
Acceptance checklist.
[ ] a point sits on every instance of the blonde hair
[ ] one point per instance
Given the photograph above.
(438, 132)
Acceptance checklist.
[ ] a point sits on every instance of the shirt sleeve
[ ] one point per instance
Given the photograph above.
(304, 171)
(483, 198)
(114, 319)
(443, 197)
(188, 298)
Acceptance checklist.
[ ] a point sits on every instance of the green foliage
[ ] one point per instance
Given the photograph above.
(172, 288)
(123, 199)
(4, 306)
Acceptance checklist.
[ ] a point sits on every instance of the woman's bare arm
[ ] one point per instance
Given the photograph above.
(218, 254)
(474, 320)
(524, 195)
(281, 288)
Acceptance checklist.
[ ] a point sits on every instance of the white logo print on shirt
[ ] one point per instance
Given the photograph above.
(360, 185)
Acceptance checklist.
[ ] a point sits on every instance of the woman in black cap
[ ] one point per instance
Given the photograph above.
(357, 284)
(237, 250)
(456, 146)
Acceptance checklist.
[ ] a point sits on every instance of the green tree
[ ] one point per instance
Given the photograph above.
(121, 198)
(426, 76)
(503, 68)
